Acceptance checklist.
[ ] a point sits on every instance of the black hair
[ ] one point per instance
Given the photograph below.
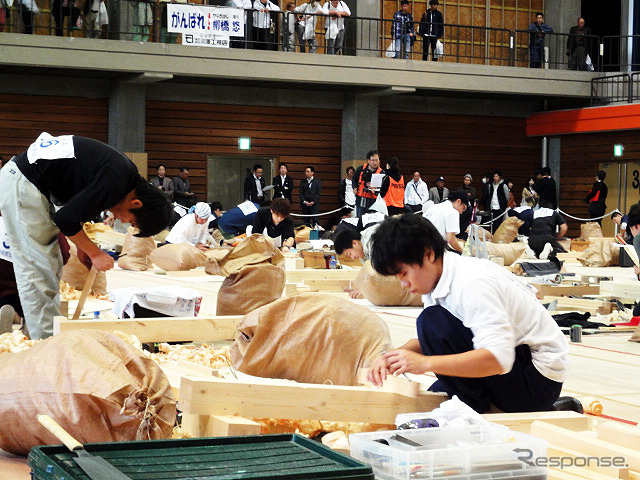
(394, 163)
(184, 169)
(415, 171)
(155, 213)
(161, 165)
(547, 171)
(634, 216)
(256, 167)
(404, 240)
(497, 172)
(601, 174)
(282, 164)
(371, 153)
(344, 239)
(539, 13)
(349, 168)
(404, 2)
(280, 206)
(459, 195)
(215, 206)
(527, 186)
(310, 167)
(539, 171)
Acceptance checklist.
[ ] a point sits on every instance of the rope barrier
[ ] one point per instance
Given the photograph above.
(318, 214)
(587, 219)
(486, 224)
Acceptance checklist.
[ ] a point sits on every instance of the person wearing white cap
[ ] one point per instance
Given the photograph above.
(192, 229)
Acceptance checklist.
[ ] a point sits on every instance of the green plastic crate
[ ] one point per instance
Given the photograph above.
(226, 458)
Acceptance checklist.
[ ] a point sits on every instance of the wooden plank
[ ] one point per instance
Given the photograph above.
(299, 276)
(582, 305)
(567, 290)
(392, 384)
(327, 285)
(218, 426)
(167, 329)
(584, 444)
(284, 399)
(629, 291)
(521, 422)
(111, 237)
(592, 467)
(619, 434)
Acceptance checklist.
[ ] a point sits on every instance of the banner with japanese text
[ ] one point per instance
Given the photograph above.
(199, 20)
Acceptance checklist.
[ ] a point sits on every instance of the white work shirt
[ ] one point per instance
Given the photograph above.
(349, 196)
(258, 186)
(503, 312)
(335, 24)
(416, 193)
(310, 20)
(189, 232)
(444, 217)
(246, 4)
(263, 19)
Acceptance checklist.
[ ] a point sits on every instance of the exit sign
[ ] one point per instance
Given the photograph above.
(244, 143)
(617, 150)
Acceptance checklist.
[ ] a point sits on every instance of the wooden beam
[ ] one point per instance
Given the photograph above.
(166, 329)
(327, 285)
(620, 434)
(621, 290)
(582, 305)
(567, 290)
(111, 237)
(521, 422)
(593, 467)
(302, 401)
(299, 276)
(589, 446)
(218, 426)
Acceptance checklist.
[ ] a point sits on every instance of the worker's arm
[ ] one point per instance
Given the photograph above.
(378, 373)
(563, 230)
(99, 259)
(453, 241)
(472, 364)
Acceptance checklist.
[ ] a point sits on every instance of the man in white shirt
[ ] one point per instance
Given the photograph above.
(483, 331)
(264, 39)
(416, 192)
(311, 10)
(289, 29)
(193, 228)
(334, 25)
(246, 5)
(445, 217)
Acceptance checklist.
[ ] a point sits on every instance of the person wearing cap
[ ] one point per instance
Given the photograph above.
(445, 217)
(470, 190)
(622, 221)
(275, 222)
(55, 186)
(439, 193)
(431, 30)
(193, 228)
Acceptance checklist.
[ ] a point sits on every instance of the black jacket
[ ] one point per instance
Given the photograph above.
(503, 196)
(251, 190)
(283, 190)
(577, 39)
(431, 24)
(601, 187)
(342, 188)
(310, 193)
(263, 220)
(393, 173)
(546, 188)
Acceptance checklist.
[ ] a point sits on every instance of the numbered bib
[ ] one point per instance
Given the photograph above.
(5, 249)
(247, 208)
(47, 147)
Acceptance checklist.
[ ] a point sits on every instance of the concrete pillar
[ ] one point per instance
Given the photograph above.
(127, 116)
(554, 156)
(359, 126)
(121, 19)
(561, 15)
(367, 31)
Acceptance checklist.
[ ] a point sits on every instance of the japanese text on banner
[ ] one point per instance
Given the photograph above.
(198, 19)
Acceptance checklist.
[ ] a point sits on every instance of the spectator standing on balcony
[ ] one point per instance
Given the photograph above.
(61, 9)
(334, 25)
(29, 9)
(597, 197)
(163, 183)
(365, 196)
(142, 20)
(310, 189)
(536, 40)
(431, 30)
(246, 5)
(416, 193)
(182, 189)
(4, 9)
(578, 46)
(289, 29)
(94, 17)
(264, 25)
(254, 185)
(310, 10)
(402, 30)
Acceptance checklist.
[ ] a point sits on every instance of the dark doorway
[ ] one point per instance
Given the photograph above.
(604, 19)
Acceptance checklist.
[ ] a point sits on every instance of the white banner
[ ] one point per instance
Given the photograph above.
(204, 20)
(204, 40)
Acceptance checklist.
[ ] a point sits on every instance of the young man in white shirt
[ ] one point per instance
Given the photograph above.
(416, 192)
(311, 10)
(193, 228)
(264, 39)
(445, 217)
(483, 331)
(334, 25)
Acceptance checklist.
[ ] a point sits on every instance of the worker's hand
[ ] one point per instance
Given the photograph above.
(401, 361)
(202, 247)
(102, 261)
(285, 249)
(353, 293)
(378, 373)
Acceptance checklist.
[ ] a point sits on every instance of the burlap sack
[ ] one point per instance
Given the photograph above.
(590, 230)
(507, 231)
(509, 252)
(135, 251)
(382, 290)
(303, 234)
(75, 274)
(94, 384)
(598, 254)
(175, 256)
(252, 287)
(250, 251)
(636, 336)
(310, 338)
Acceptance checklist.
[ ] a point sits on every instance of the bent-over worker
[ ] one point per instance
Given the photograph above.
(275, 222)
(193, 228)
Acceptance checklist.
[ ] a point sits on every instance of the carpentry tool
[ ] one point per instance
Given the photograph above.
(97, 468)
(86, 289)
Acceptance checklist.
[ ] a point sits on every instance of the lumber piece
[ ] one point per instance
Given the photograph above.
(521, 422)
(621, 290)
(589, 446)
(333, 285)
(195, 273)
(566, 290)
(583, 305)
(165, 329)
(561, 453)
(218, 425)
(392, 384)
(110, 237)
(299, 276)
(285, 399)
(86, 290)
(620, 434)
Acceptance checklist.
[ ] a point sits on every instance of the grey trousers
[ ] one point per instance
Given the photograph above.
(334, 45)
(37, 261)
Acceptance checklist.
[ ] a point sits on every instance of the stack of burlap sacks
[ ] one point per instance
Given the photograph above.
(502, 243)
(601, 251)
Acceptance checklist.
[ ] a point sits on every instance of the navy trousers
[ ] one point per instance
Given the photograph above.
(523, 389)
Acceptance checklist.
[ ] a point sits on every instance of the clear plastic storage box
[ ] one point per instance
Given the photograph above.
(472, 452)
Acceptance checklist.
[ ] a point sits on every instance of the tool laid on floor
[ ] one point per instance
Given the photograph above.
(97, 468)
(86, 289)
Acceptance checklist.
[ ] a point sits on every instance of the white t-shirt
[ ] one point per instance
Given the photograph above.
(349, 196)
(495, 202)
(189, 232)
(444, 217)
(503, 312)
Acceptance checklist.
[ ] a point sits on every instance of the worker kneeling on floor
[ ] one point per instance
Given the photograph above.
(483, 332)
(82, 177)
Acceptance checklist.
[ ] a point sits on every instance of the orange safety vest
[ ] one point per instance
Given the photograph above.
(361, 185)
(395, 194)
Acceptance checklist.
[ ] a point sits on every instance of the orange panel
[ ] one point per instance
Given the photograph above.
(600, 119)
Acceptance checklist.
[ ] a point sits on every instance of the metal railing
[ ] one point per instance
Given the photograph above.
(556, 51)
(611, 89)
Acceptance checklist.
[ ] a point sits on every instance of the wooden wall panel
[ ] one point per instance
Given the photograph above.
(24, 117)
(452, 146)
(180, 134)
(581, 155)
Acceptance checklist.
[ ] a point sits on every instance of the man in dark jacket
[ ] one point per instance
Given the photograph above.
(182, 189)
(310, 189)
(597, 197)
(578, 46)
(536, 40)
(346, 197)
(546, 188)
(497, 199)
(431, 30)
(283, 184)
(254, 185)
